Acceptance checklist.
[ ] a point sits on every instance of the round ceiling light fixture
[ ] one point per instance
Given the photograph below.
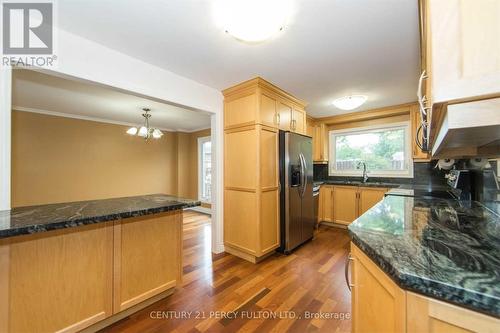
(252, 21)
(350, 102)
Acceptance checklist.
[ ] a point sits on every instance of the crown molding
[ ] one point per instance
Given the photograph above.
(95, 119)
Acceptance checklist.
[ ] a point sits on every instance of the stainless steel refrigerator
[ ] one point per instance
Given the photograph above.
(296, 190)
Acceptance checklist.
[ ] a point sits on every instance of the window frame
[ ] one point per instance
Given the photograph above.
(408, 173)
(202, 140)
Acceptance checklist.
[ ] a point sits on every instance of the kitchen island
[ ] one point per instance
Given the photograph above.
(82, 265)
(427, 265)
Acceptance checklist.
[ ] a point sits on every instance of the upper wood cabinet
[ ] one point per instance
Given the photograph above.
(298, 122)
(319, 134)
(417, 136)
(285, 110)
(260, 102)
(462, 49)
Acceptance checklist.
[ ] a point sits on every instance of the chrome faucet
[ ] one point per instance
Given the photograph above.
(365, 175)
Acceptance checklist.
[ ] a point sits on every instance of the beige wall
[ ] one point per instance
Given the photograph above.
(57, 159)
(188, 163)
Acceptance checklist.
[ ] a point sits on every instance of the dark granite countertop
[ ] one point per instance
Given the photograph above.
(358, 183)
(444, 249)
(34, 219)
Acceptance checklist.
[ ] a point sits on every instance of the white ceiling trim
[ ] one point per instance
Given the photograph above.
(95, 119)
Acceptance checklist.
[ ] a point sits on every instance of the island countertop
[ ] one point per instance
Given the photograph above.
(444, 249)
(35, 219)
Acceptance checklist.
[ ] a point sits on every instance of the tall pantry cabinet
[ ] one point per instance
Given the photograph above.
(254, 112)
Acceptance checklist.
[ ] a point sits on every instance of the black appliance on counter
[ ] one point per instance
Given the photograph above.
(477, 185)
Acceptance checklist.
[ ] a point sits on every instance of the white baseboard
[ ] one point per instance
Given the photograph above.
(200, 209)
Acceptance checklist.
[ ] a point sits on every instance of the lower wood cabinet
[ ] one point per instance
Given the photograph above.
(147, 257)
(380, 306)
(344, 204)
(428, 315)
(69, 279)
(369, 197)
(326, 203)
(56, 281)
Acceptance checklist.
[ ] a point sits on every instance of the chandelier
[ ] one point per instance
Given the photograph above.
(145, 131)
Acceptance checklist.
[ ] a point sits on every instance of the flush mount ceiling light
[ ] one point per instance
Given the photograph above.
(252, 21)
(350, 102)
(145, 131)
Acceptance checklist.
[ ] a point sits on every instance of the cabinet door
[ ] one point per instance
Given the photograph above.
(284, 115)
(378, 304)
(56, 281)
(418, 154)
(464, 37)
(268, 110)
(326, 198)
(310, 129)
(299, 121)
(345, 204)
(432, 316)
(240, 111)
(148, 254)
(369, 197)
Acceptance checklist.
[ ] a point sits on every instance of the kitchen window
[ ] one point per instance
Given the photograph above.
(386, 150)
(205, 169)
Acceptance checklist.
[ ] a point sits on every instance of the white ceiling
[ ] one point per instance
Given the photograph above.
(329, 49)
(39, 92)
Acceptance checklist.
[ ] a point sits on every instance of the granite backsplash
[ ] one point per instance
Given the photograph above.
(423, 174)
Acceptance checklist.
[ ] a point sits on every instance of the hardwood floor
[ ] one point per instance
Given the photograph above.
(310, 279)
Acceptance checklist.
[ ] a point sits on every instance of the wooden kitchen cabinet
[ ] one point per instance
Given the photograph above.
(428, 315)
(298, 122)
(415, 121)
(259, 102)
(251, 176)
(320, 144)
(59, 280)
(369, 197)
(460, 54)
(345, 204)
(326, 203)
(378, 304)
(147, 260)
(462, 49)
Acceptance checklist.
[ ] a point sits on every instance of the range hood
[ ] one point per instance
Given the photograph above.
(468, 129)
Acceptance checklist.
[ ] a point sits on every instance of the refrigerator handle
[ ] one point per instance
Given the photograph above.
(303, 165)
(305, 175)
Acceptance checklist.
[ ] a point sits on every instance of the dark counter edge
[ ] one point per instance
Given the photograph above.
(33, 229)
(439, 291)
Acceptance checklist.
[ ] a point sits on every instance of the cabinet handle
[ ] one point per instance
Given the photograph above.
(293, 125)
(347, 262)
(277, 118)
